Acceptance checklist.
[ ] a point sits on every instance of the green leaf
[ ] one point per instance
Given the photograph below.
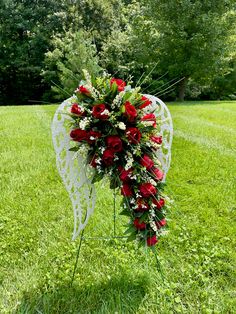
(131, 237)
(114, 183)
(97, 177)
(74, 149)
(131, 229)
(125, 212)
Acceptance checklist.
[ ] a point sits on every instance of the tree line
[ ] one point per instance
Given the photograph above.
(176, 49)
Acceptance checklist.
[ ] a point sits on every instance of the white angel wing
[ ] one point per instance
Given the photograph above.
(76, 176)
(166, 131)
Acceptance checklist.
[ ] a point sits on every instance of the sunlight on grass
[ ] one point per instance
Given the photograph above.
(36, 222)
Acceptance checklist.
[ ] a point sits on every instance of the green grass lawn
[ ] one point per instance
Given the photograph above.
(36, 222)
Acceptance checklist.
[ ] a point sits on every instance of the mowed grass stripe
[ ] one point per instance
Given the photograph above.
(211, 112)
(208, 143)
(204, 132)
(205, 124)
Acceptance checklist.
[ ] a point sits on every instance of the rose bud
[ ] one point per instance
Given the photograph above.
(133, 135)
(161, 223)
(156, 139)
(147, 189)
(98, 112)
(142, 205)
(120, 84)
(76, 110)
(108, 157)
(152, 240)
(157, 173)
(139, 225)
(150, 117)
(114, 142)
(79, 135)
(159, 203)
(146, 162)
(130, 111)
(126, 190)
(93, 136)
(93, 161)
(146, 102)
(83, 90)
(124, 174)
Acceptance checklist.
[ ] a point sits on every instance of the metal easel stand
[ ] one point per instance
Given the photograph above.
(82, 237)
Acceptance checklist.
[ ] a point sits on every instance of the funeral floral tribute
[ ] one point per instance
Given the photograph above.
(114, 126)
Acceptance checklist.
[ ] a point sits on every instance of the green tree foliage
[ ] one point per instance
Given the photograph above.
(25, 30)
(173, 39)
(64, 64)
(131, 49)
(193, 37)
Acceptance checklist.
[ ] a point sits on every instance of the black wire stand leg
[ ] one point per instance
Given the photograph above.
(114, 213)
(77, 258)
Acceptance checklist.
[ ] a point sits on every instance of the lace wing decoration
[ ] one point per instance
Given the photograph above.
(76, 175)
(161, 111)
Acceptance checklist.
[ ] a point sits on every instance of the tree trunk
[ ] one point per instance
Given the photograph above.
(182, 88)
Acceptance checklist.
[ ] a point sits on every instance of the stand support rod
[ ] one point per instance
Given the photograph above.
(77, 257)
(114, 213)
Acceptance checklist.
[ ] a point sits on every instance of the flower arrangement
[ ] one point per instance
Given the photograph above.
(114, 125)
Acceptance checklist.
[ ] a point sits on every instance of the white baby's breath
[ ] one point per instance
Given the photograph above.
(117, 100)
(84, 123)
(105, 112)
(153, 225)
(147, 123)
(102, 149)
(153, 182)
(121, 125)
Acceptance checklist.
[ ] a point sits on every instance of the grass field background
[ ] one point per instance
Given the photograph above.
(36, 221)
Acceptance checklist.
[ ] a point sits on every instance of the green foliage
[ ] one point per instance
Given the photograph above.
(194, 37)
(25, 29)
(130, 50)
(197, 256)
(64, 64)
(174, 39)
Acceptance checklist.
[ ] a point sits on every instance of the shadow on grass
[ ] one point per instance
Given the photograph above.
(120, 294)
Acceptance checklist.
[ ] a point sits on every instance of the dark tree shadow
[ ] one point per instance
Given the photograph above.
(121, 294)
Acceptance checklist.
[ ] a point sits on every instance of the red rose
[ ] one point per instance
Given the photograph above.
(98, 110)
(108, 157)
(133, 135)
(93, 161)
(157, 173)
(146, 162)
(150, 117)
(152, 240)
(93, 136)
(161, 223)
(130, 111)
(147, 189)
(76, 110)
(125, 174)
(142, 205)
(126, 190)
(83, 90)
(114, 142)
(146, 102)
(159, 203)
(156, 139)
(78, 135)
(120, 84)
(139, 225)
